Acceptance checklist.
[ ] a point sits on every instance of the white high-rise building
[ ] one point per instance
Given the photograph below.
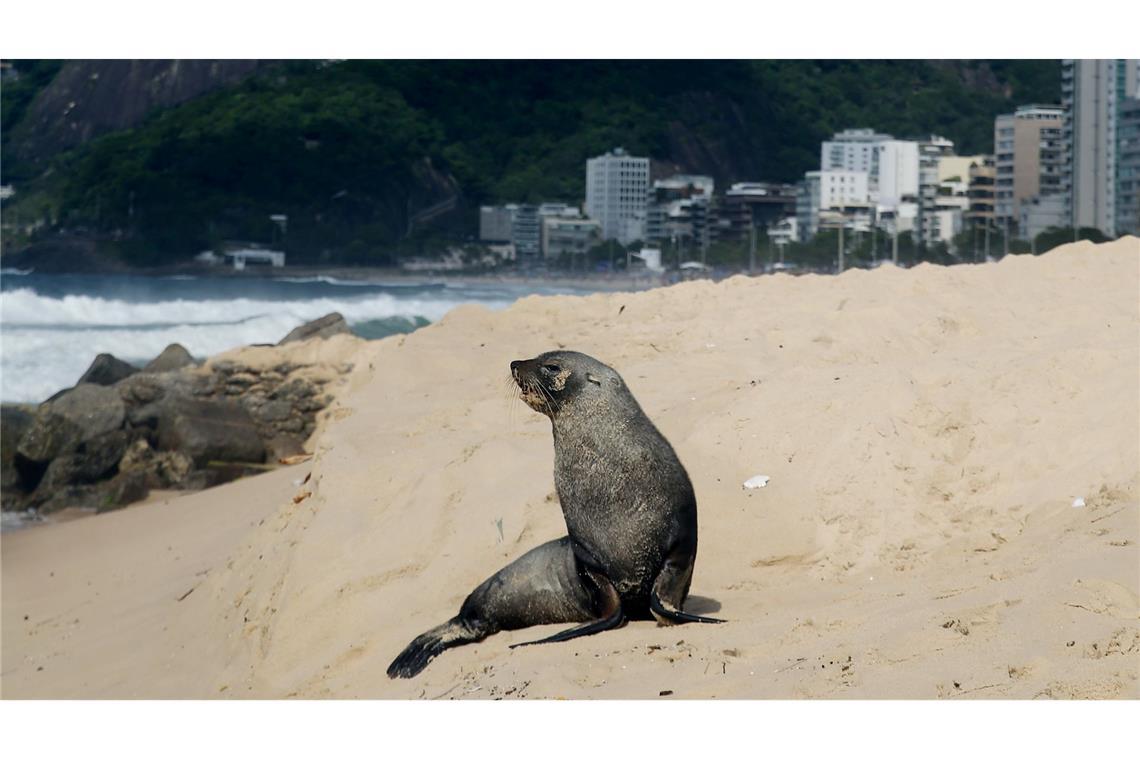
(898, 172)
(617, 195)
(1092, 92)
(891, 165)
(834, 190)
(855, 150)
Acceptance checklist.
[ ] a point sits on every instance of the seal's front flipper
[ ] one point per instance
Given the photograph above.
(671, 588)
(666, 614)
(612, 616)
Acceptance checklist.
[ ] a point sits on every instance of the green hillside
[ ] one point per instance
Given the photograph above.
(363, 154)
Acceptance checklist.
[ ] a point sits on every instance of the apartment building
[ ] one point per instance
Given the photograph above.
(748, 204)
(495, 223)
(678, 209)
(1028, 158)
(617, 194)
(891, 165)
(568, 236)
(981, 191)
(1128, 168)
(830, 194)
(930, 152)
(1092, 92)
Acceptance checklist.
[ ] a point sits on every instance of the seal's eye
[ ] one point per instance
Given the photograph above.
(552, 368)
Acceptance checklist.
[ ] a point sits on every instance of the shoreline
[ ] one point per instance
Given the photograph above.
(388, 275)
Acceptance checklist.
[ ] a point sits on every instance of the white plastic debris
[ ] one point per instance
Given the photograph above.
(1078, 502)
(756, 481)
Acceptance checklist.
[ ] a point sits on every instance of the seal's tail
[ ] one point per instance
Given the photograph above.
(425, 647)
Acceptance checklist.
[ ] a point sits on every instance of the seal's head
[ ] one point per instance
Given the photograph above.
(555, 381)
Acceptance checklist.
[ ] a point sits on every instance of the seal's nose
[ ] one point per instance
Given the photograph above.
(515, 366)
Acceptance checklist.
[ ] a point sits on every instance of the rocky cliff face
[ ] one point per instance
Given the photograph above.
(90, 98)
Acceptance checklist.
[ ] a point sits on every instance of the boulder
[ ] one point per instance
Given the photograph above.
(15, 419)
(209, 430)
(173, 357)
(81, 414)
(107, 370)
(80, 497)
(87, 462)
(161, 469)
(325, 327)
(123, 489)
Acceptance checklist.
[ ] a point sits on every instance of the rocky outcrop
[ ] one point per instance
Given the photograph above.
(107, 370)
(325, 327)
(166, 426)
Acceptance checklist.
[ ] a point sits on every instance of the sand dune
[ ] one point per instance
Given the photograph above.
(925, 433)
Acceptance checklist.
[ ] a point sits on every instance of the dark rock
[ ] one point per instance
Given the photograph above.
(325, 327)
(273, 411)
(79, 497)
(83, 413)
(142, 389)
(88, 462)
(107, 370)
(173, 357)
(297, 388)
(215, 475)
(314, 404)
(209, 431)
(15, 419)
(162, 469)
(125, 488)
(48, 435)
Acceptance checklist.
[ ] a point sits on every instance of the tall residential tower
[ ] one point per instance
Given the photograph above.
(617, 195)
(1029, 161)
(1092, 94)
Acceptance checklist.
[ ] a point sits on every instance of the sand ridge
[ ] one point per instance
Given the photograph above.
(925, 432)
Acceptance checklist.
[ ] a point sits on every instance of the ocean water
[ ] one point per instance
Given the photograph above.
(52, 326)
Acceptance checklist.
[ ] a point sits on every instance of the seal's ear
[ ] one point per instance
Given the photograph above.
(594, 379)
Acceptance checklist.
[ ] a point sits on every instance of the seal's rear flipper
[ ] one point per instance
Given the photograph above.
(609, 604)
(425, 647)
(668, 615)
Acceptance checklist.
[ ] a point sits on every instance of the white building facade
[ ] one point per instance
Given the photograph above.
(568, 236)
(617, 195)
(898, 172)
(833, 190)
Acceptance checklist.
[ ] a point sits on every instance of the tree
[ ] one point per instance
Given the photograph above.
(1055, 236)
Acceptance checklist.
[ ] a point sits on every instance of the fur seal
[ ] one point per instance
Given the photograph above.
(630, 511)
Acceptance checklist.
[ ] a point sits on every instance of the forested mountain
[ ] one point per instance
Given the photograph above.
(375, 159)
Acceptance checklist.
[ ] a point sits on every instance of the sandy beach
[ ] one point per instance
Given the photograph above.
(926, 433)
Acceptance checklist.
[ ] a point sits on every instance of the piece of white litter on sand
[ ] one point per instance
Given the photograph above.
(756, 481)
(1078, 502)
